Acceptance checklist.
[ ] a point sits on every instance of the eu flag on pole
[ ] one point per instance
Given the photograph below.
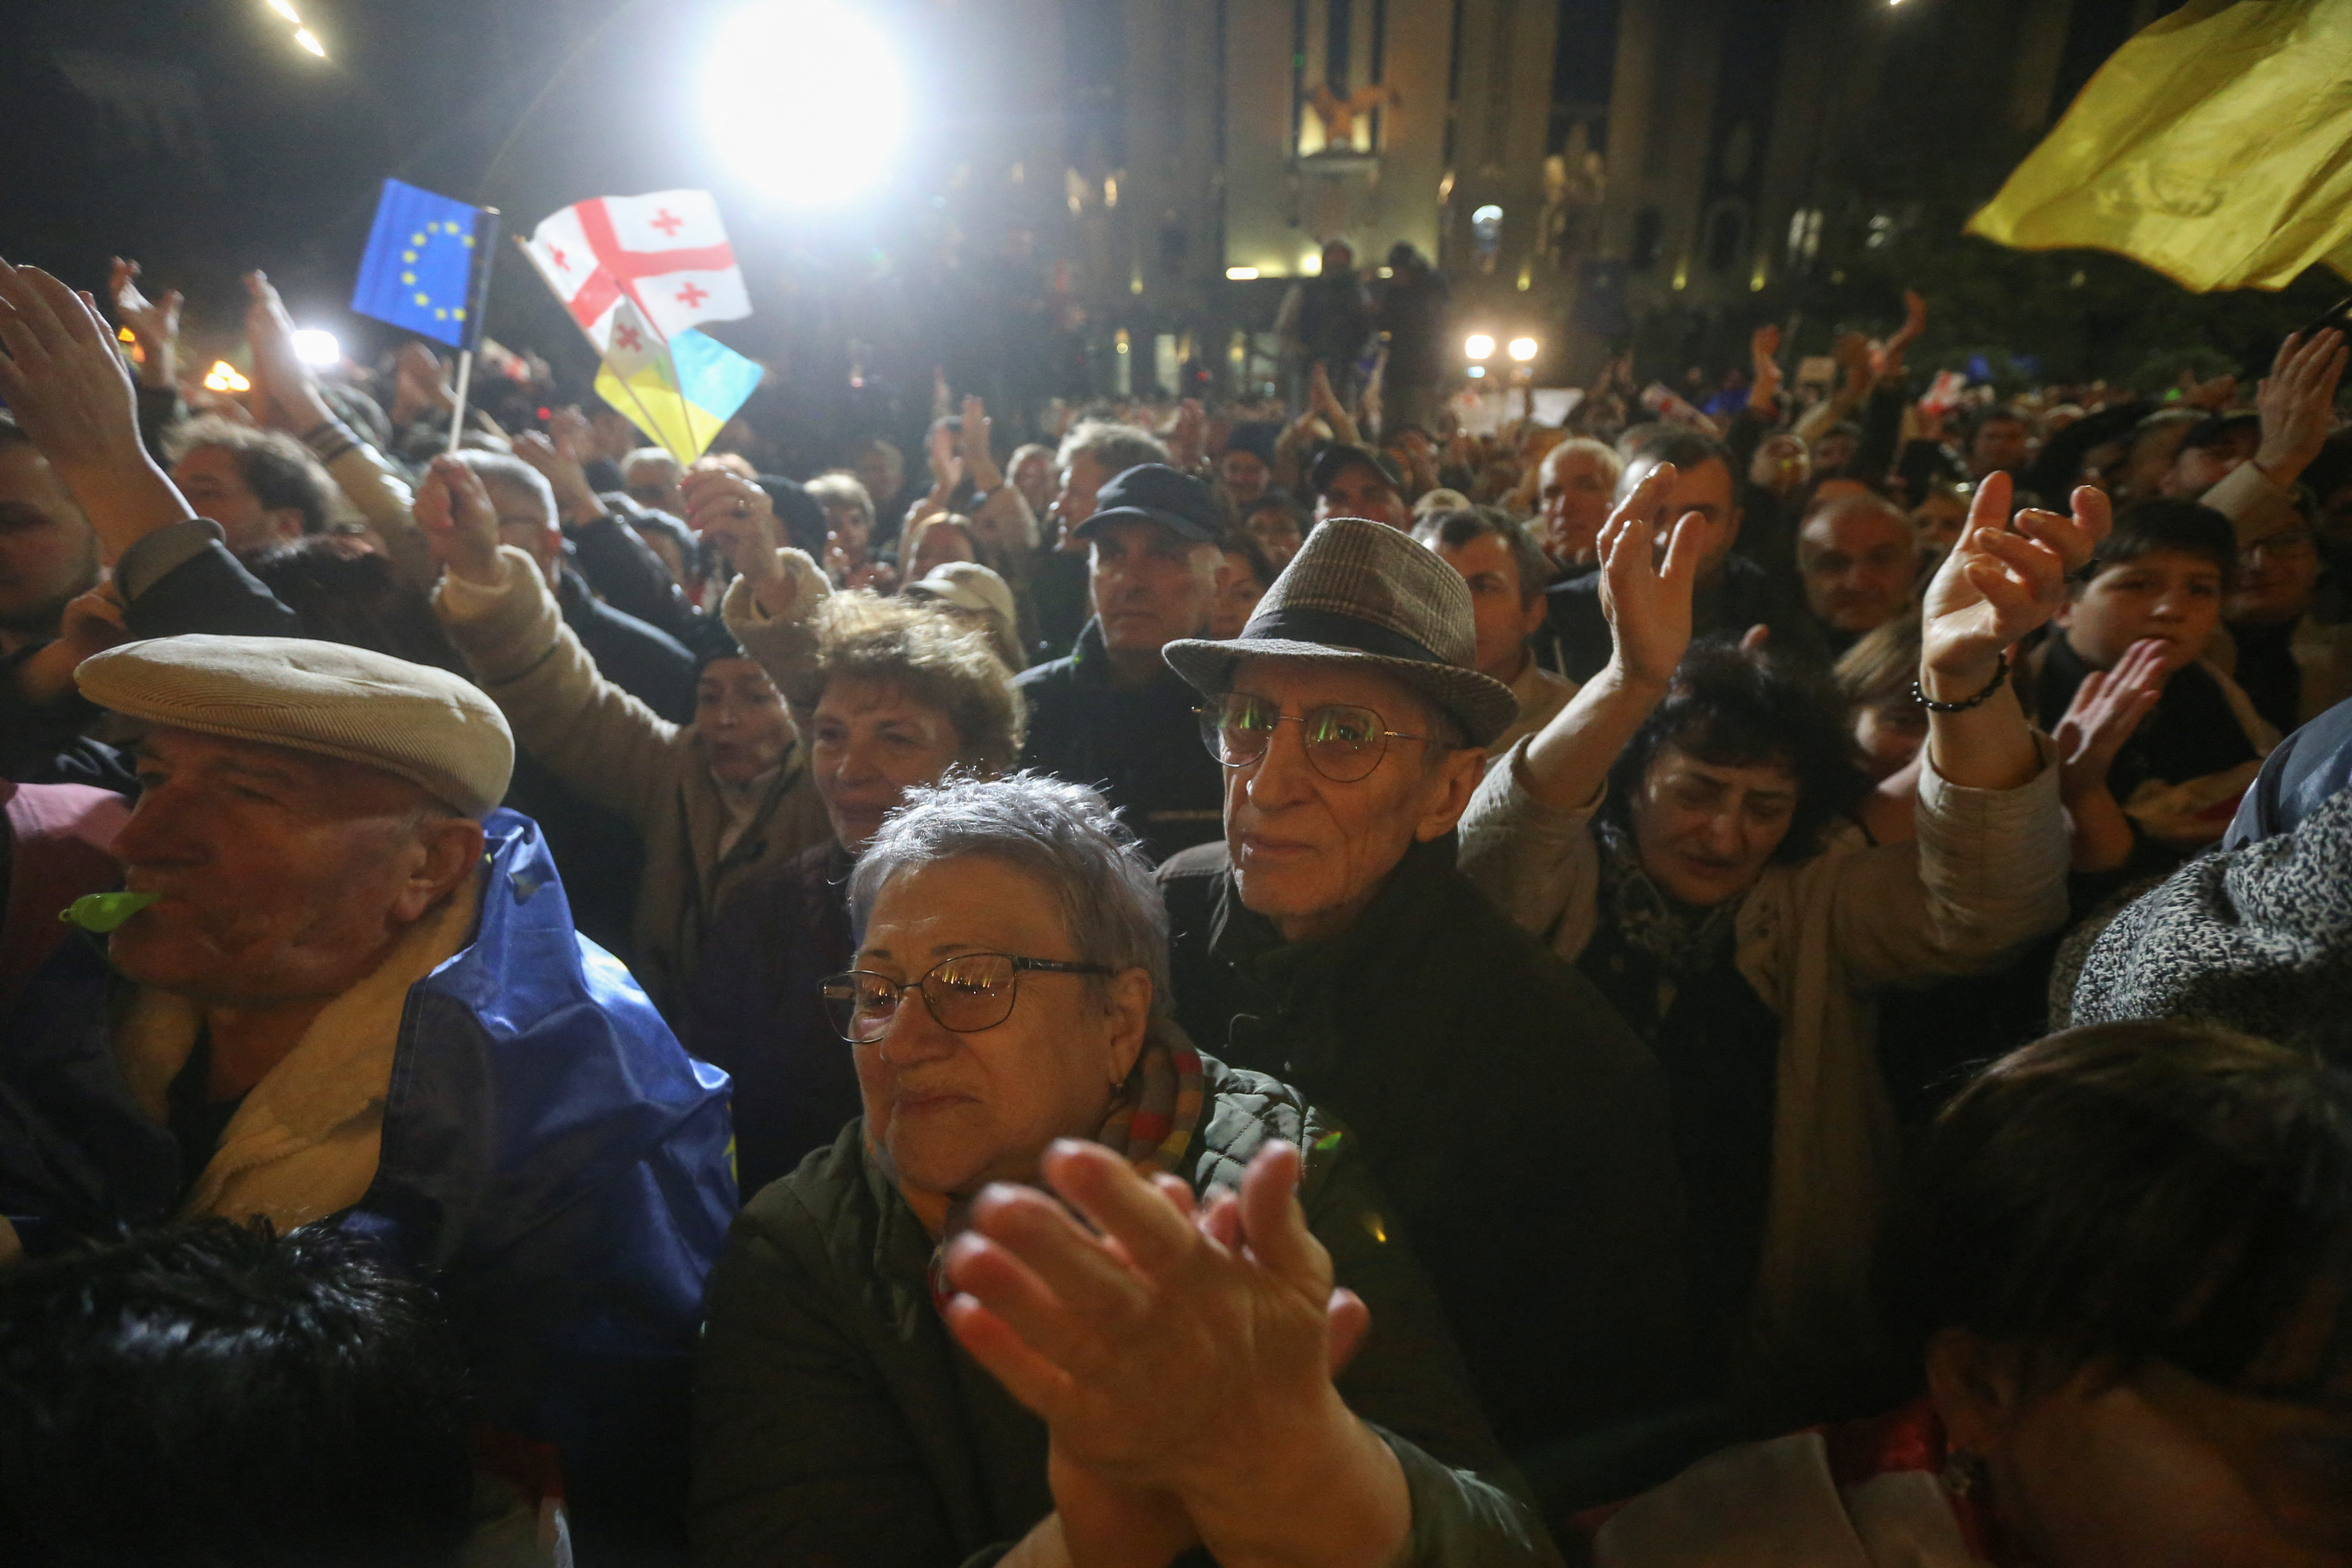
(418, 269)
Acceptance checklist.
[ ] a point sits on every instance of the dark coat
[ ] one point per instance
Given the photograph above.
(1139, 744)
(550, 1160)
(838, 1423)
(179, 579)
(1574, 639)
(1518, 1126)
(752, 1009)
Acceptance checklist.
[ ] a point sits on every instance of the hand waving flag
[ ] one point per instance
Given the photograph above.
(638, 273)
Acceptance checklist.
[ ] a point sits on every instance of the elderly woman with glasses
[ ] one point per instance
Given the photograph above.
(914, 1356)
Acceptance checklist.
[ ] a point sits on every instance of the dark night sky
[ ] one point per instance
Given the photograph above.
(524, 104)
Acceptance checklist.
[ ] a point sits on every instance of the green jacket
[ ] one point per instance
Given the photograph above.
(838, 1422)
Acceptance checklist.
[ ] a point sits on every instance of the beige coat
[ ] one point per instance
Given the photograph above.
(1987, 874)
(618, 754)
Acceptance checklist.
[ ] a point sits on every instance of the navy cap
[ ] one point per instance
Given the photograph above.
(1154, 492)
(1336, 459)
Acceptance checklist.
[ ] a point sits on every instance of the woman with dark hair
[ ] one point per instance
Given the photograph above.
(1677, 833)
(2121, 1275)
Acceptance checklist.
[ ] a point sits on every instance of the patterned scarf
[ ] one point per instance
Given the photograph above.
(1686, 941)
(1152, 1121)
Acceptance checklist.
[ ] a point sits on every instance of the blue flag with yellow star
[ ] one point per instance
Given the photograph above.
(418, 269)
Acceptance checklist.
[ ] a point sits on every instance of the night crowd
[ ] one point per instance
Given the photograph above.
(1761, 975)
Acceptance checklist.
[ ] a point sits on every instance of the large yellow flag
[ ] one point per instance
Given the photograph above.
(2215, 146)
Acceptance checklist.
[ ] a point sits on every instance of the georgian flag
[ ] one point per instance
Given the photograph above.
(666, 252)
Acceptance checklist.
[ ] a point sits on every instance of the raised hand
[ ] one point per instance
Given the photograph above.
(420, 384)
(1764, 361)
(65, 383)
(2107, 708)
(155, 326)
(1888, 361)
(1647, 572)
(556, 462)
(979, 461)
(278, 372)
(460, 526)
(2002, 581)
(2297, 404)
(1187, 438)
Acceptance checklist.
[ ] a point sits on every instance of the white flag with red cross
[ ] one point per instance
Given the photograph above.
(667, 253)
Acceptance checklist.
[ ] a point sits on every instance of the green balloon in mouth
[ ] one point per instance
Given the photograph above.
(102, 912)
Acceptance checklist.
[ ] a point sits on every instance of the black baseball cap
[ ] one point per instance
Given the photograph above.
(1154, 492)
(1335, 459)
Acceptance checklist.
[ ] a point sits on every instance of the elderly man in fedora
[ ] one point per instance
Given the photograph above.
(1515, 1122)
(342, 987)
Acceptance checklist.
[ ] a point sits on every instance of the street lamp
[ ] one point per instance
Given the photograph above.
(832, 134)
(317, 347)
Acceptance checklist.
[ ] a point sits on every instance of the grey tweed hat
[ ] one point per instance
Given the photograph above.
(1360, 592)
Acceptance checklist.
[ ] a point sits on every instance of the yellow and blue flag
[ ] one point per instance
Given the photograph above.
(2214, 146)
(418, 269)
(680, 391)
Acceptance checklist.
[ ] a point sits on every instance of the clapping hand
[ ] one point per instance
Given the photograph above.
(1647, 574)
(155, 326)
(1170, 1356)
(2297, 404)
(2107, 707)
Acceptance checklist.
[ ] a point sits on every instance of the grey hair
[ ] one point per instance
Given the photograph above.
(1117, 448)
(504, 469)
(651, 455)
(1064, 834)
(841, 490)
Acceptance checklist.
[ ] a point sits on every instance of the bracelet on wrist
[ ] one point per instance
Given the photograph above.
(2000, 675)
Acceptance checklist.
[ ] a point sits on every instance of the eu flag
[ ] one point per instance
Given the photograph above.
(419, 266)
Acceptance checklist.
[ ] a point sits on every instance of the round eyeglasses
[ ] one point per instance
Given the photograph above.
(966, 993)
(1344, 742)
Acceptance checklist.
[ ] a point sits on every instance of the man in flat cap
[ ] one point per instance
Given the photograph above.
(1513, 1120)
(349, 992)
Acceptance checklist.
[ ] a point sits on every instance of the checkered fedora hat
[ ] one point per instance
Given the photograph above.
(1362, 592)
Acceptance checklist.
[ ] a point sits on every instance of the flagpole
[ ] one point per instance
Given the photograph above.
(646, 421)
(477, 296)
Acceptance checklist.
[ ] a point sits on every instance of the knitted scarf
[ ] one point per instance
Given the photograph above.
(1686, 941)
(1152, 1120)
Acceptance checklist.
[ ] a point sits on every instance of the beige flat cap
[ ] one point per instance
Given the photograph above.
(411, 721)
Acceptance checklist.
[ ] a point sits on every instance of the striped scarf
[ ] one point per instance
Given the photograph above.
(1152, 1121)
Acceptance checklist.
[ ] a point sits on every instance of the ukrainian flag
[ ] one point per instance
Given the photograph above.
(2215, 146)
(418, 269)
(680, 393)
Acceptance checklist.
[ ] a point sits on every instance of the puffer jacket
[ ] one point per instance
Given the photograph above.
(620, 754)
(838, 1422)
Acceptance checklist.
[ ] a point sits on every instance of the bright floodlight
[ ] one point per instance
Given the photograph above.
(1478, 345)
(310, 40)
(223, 377)
(317, 347)
(286, 9)
(1523, 348)
(831, 132)
(1241, 274)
